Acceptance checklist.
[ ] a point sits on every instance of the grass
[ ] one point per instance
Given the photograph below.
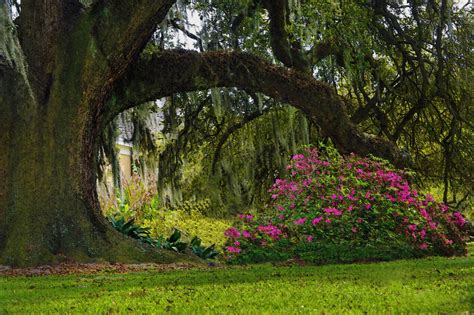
(429, 285)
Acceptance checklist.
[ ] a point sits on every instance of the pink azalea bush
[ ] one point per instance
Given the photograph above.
(332, 209)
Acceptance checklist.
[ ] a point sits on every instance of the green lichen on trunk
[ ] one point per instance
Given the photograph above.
(48, 202)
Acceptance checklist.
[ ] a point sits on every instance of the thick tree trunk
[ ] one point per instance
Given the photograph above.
(49, 208)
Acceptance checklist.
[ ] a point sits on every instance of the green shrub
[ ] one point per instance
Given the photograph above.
(335, 209)
(132, 230)
(143, 206)
(204, 252)
(188, 219)
(147, 221)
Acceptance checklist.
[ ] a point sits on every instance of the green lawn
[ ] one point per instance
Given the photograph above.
(427, 285)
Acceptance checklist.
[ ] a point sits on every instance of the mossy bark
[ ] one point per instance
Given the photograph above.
(49, 209)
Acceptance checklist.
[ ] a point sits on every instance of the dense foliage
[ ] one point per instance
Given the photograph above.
(173, 242)
(333, 208)
(403, 68)
(137, 213)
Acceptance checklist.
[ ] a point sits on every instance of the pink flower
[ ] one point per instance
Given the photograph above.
(270, 230)
(246, 234)
(232, 249)
(354, 229)
(298, 157)
(422, 234)
(237, 243)
(423, 246)
(333, 211)
(350, 208)
(424, 213)
(316, 220)
(412, 227)
(459, 219)
(299, 221)
(232, 233)
(359, 220)
(309, 238)
(429, 198)
(432, 225)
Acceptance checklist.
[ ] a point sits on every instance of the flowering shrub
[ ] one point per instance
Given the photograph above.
(332, 209)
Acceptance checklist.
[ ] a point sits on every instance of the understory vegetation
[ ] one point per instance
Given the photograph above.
(143, 207)
(218, 151)
(342, 209)
(137, 214)
(329, 209)
(429, 285)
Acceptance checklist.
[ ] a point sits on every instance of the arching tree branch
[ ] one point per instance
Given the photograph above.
(176, 71)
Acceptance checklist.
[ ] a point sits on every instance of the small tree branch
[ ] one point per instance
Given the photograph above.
(170, 72)
(176, 25)
(247, 119)
(282, 48)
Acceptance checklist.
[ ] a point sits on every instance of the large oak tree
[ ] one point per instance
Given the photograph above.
(67, 70)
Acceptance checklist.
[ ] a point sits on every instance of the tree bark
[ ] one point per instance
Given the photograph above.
(49, 209)
(176, 71)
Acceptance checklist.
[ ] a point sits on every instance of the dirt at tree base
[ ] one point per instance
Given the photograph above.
(92, 268)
